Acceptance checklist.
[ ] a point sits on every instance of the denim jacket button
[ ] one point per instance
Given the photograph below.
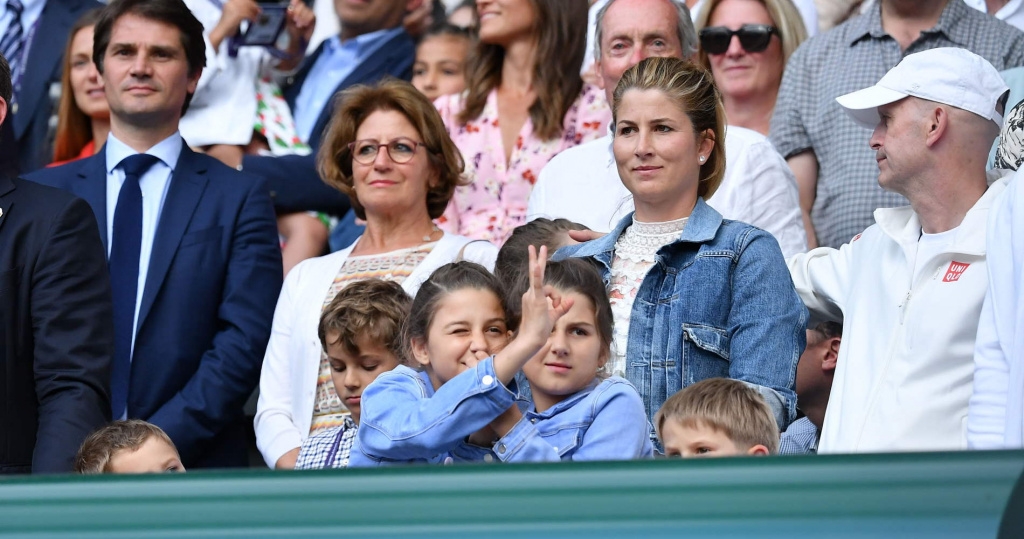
(534, 420)
(501, 448)
(487, 380)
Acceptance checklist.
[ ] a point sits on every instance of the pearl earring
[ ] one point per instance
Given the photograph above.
(702, 159)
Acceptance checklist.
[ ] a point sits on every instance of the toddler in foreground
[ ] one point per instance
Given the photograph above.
(129, 446)
(360, 330)
(717, 417)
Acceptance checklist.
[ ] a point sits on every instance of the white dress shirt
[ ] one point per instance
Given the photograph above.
(582, 184)
(154, 184)
(1012, 13)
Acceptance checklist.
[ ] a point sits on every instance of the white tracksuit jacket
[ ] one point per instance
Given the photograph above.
(906, 362)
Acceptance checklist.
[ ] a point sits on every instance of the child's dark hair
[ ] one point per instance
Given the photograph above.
(580, 275)
(445, 28)
(99, 448)
(445, 280)
(512, 265)
(374, 308)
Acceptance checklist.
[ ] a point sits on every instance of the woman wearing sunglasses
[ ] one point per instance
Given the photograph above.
(693, 295)
(745, 44)
(387, 149)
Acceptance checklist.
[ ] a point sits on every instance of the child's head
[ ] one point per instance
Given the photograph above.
(512, 265)
(580, 342)
(360, 330)
(717, 417)
(816, 369)
(440, 67)
(456, 320)
(128, 446)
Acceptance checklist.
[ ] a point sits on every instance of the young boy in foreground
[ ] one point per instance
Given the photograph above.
(128, 447)
(717, 417)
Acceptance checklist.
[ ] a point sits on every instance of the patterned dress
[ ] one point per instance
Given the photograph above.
(494, 202)
(328, 410)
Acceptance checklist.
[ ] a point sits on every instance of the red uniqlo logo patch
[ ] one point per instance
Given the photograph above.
(954, 271)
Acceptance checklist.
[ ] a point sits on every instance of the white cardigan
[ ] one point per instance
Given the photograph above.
(292, 362)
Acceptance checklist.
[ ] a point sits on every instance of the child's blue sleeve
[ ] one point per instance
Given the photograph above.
(618, 430)
(400, 422)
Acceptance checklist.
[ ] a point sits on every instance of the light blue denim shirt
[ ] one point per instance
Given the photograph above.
(603, 421)
(403, 420)
(719, 302)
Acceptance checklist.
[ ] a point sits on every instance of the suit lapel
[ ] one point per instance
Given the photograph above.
(187, 185)
(92, 187)
(6, 186)
(43, 56)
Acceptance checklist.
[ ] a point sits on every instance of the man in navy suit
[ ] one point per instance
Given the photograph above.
(371, 46)
(56, 323)
(192, 245)
(43, 26)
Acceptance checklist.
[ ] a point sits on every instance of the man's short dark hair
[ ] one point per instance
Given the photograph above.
(172, 12)
(6, 87)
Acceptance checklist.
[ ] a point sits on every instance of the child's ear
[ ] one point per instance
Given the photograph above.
(419, 351)
(758, 451)
(828, 364)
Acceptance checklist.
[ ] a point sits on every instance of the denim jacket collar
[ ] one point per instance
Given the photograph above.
(565, 404)
(701, 227)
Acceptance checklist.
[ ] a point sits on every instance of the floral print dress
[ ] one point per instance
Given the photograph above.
(494, 202)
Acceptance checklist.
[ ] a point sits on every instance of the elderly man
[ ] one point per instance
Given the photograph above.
(910, 287)
(582, 184)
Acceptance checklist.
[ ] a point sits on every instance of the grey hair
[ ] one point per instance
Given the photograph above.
(685, 30)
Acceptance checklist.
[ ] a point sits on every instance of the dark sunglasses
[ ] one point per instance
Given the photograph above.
(753, 38)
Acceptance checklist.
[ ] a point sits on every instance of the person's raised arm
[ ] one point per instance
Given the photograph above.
(542, 307)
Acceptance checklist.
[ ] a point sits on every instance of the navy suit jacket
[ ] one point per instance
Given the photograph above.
(56, 328)
(204, 322)
(293, 179)
(30, 122)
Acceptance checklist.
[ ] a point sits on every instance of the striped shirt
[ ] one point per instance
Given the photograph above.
(801, 438)
(848, 58)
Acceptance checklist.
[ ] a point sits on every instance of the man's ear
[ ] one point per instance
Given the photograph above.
(3, 110)
(758, 451)
(419, 351)
(828, 364)
(600, 79)
(937, 121)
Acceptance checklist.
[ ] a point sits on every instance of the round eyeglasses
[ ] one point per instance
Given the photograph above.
(753, 38)
(400, 150)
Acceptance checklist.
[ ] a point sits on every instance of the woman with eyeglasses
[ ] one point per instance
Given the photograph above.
(387, 149)
(745, 44)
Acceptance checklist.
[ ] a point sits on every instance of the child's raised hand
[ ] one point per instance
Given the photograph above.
(542, 305)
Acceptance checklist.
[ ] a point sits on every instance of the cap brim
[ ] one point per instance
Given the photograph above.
(862, 105)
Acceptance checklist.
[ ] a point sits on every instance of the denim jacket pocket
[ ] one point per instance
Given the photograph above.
(708, 338)
(564, 441)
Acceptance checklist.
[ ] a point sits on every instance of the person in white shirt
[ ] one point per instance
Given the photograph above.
(910, 288)
(1009, 11)
(582, 184)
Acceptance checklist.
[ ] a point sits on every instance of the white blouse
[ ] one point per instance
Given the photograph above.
(636, 251)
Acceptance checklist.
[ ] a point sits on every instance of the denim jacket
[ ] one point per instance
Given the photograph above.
(404, 420)
(603, 421)
(719, 302)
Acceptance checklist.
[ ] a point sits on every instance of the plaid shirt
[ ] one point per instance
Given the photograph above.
(334, 443)
(801, 438)
(848, 58)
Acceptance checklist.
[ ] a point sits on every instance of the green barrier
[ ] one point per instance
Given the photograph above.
(909, 495)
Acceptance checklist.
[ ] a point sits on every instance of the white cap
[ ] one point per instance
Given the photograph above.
(948, 75)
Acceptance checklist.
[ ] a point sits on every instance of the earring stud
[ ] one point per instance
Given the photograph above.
(702, 159)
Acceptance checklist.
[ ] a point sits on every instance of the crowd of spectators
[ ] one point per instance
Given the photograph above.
(506, 230)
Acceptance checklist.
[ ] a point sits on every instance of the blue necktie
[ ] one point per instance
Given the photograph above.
(126, 243)
(14, 40)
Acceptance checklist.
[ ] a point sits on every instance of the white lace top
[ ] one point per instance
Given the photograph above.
(635, 253)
